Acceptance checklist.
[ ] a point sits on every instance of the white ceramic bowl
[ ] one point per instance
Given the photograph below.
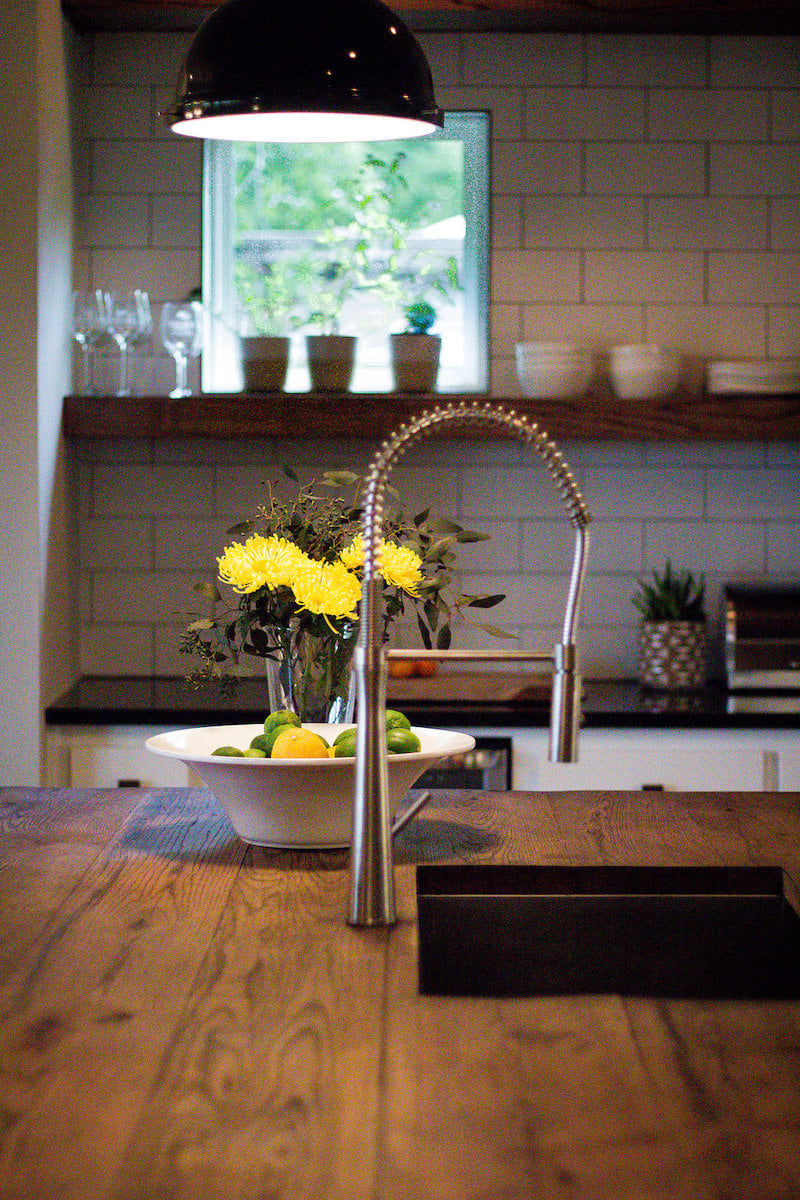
(294, 803)
(548, 371)
(641, 372)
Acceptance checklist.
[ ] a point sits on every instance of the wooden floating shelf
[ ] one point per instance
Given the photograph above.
(609, 16)
(373, 416)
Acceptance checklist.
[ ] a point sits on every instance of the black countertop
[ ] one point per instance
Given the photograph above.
(623, 704)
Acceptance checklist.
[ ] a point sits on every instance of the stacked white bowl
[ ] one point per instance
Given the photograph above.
(641, 371)
(553, 370)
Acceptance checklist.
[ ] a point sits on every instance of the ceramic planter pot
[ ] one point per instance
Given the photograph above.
(672, 654)
(331, 360)
(265, 361)
(415, 361)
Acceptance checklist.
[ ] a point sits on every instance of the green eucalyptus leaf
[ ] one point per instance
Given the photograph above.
(495, 630)
(209, 590)
(197, 626)
(470, 535)
(443, 638)
(485, 601)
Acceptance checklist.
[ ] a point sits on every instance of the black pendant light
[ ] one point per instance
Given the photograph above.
(304, 71)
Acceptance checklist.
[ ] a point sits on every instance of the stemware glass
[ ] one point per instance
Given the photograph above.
(89, 327)
(182, 335)
(123, 325)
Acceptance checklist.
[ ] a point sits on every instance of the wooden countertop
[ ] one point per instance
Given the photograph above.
(188, 1018)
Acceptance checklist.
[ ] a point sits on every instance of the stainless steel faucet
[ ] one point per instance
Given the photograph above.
(372, 898)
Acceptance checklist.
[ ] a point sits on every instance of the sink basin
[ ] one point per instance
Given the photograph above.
(706, 932)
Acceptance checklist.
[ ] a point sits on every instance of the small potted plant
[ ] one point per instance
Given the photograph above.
(673, 635)
(415, 352)
(266, 317)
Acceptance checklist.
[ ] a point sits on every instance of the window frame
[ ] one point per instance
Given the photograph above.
(220, 363)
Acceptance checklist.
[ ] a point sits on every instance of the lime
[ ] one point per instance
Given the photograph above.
(282, 716)
(346, 734)
(396, 720)
(299, 743)
(259, 742)
(345, 744)
(254, 752)
(402, 741)
(228, 752)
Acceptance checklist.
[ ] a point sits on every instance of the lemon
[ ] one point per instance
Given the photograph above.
(254, 752)
(299, 743)
(396, 720)
(229, 752)
(282, 716)
(402, 741)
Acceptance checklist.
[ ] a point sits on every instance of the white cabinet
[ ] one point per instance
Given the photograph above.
(748, 760)
(109, 756)
(713, 760)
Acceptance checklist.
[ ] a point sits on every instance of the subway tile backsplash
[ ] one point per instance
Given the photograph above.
(642, 188)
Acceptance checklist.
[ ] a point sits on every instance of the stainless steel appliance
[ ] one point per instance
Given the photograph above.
(762, 637)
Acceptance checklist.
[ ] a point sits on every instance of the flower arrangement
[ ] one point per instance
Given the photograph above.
(295, 571)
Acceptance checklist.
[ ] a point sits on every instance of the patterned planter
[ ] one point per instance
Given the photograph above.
(672, 654)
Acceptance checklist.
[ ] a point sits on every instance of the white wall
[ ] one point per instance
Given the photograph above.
(642, 187)
(35, 264)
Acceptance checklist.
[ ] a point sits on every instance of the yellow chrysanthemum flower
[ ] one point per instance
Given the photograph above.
(401, 567)
(260, 562)
(327, 588)
(353, 555)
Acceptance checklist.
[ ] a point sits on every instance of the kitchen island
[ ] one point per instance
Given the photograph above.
(185, 1017)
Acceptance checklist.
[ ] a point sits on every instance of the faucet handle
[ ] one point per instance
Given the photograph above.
(565, 705)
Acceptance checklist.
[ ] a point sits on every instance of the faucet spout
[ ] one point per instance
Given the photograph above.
(372, 896)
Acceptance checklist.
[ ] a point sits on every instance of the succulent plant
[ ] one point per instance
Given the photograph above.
(419, 316)
(671, 596)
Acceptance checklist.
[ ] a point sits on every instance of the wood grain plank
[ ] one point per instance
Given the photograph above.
(514, 1098)
(588, 1097)
(47, 840)
(598, 415)
(269, 1086)
(86, 1016)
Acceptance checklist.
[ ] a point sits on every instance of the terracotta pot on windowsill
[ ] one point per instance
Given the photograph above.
(265, 361)
(331, 361)
(415, 361)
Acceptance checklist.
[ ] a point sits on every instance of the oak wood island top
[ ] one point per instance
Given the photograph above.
(188, 1017)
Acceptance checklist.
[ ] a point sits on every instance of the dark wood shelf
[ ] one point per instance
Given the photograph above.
(570, 16)
(371, 416)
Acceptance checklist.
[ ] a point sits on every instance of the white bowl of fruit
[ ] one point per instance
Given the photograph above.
(291, 787)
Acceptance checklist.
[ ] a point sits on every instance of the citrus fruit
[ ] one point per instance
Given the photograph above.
(345, 744)
(348, 734)
(402, 741)
(229, 752)
(400, 668)
(396, 720)
(292, 742)
(282, 716)
(254, 752)
(259, 742)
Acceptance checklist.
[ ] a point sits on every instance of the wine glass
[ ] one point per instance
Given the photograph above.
(123, 325)
(182, 336)
(89, 327)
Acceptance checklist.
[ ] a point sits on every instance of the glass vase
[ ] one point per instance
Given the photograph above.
(312, 674)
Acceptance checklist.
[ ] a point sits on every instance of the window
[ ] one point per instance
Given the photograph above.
(341, 238)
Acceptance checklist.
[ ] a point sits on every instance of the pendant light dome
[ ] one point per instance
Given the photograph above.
(304, 71)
